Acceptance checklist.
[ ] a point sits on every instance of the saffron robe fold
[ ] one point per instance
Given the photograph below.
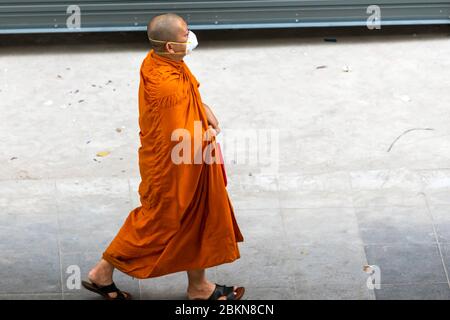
(186, 220)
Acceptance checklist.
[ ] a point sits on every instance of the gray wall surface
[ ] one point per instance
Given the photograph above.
(27, 16)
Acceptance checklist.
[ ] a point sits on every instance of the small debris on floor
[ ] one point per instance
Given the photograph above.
(23, 174)
(103, 153)
(406, 132)
(321, 67)
(368, 269)
(403, 97)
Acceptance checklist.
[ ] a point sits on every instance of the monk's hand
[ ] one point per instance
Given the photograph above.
(212, 120)
(210, 132)
(216, 128)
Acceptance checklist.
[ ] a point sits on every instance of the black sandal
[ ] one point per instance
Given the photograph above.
(229, 292)
(103, 291)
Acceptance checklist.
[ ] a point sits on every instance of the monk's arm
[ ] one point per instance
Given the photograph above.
(212, 120)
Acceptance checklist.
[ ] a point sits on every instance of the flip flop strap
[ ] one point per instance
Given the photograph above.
(221, 291)
(227, 290)
(110, 289)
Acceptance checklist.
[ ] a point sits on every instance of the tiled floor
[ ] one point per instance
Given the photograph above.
(288, 253)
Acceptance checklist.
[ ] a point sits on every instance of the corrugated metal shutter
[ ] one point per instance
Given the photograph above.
(111, 15)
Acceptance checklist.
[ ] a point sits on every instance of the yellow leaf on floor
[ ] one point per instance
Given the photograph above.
(103, 153)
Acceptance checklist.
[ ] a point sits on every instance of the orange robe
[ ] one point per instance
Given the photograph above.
(186, 220)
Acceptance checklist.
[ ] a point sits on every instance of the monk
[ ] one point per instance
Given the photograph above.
(186, 221)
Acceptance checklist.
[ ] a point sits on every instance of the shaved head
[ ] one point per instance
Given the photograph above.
(166, 27)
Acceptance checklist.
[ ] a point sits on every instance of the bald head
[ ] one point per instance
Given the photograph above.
(166, 27)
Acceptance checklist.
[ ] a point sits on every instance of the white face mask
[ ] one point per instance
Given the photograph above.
(191, 43)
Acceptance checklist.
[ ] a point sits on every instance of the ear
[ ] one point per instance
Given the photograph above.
(169, 47)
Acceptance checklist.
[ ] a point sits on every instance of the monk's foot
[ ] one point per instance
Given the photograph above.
(101, 275)
(203, 291)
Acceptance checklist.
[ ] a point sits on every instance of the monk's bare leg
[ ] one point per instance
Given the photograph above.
(199, 287)
(102, 275)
